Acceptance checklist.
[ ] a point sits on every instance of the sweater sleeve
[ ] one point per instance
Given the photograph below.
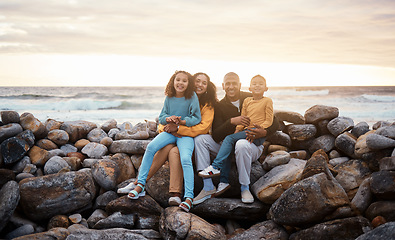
(194, 116)
(268, 114)
(165, 112)
(203, 127)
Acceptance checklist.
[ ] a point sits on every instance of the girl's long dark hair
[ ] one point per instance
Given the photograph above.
(170, 91)
(210, 96)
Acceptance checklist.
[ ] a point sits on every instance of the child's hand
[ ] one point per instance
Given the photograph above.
(240, 120)
(173, 119)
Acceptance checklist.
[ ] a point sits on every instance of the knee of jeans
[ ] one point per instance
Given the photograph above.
(150, 147)
(228, 139)
(186, 160)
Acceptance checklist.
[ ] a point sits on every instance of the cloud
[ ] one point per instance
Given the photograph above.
(337, 31)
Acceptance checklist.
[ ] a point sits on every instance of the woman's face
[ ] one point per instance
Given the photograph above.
(201, 83)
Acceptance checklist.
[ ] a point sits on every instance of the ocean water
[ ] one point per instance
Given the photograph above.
(136, 104)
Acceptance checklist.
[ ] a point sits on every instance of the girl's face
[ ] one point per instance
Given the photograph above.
(180, 83)
(201, 83)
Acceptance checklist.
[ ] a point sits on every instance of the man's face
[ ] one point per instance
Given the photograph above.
(231, 86)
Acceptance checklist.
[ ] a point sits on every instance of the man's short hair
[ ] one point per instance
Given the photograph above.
(232, 75)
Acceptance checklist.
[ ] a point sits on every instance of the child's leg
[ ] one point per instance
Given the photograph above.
(226, 167)
(259, 141)
(158, 143)
(160, 158)
(226, 148)
(185, 146)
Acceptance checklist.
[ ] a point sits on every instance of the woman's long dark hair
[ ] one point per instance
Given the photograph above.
(170, 91)
(210, 96)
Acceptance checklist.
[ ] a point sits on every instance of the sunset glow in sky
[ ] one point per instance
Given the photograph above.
(141, 43)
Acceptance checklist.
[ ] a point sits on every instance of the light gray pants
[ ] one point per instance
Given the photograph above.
(245, 154)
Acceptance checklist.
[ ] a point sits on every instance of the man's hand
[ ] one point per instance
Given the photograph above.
(171, 128)
(240, 120)
(255, 132)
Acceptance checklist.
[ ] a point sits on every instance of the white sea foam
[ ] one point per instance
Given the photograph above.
(378, 98)
(135, 104)
(295, 92)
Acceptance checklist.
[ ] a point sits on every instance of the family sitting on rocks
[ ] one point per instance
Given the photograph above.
(193, 119)
(318, 177)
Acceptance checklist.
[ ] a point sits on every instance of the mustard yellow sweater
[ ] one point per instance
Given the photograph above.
(203, 127)
(259, 111)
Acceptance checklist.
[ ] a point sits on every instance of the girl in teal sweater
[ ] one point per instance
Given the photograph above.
(181, 107)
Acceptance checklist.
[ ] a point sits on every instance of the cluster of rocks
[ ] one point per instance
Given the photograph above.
(320, 177)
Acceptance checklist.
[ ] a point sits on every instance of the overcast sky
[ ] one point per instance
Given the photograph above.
(43, 41)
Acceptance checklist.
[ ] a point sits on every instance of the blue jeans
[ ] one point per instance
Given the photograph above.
(227, 147)
(185, 146)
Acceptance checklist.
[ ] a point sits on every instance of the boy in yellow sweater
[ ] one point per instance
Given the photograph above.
(260, 111)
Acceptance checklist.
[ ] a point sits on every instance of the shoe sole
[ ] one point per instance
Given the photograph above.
(209, 176)
(142, 194)
(202, 199)
(126, 190)
(247, 201)
(219, 193)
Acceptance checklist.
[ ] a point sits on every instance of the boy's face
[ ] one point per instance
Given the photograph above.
(258, 85)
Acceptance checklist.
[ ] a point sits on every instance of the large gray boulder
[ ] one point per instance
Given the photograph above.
(309, 201)
(230, 208)
(270, 186)
(13, 149)
(129, 146)
(345, 229)
(320, 112)
(110, 234)
(106, 173)
(385, 231)
(264, 230)
(77, 129)
(177, 224)
(9, 130)
(67, 192)
(340, 125)
(9, 199)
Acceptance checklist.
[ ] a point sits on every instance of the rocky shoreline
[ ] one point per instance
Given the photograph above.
(320, 177)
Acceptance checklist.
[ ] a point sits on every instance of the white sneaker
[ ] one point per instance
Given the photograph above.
(174, 201)
(209, 172)
(127, 188)
(222, 187)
